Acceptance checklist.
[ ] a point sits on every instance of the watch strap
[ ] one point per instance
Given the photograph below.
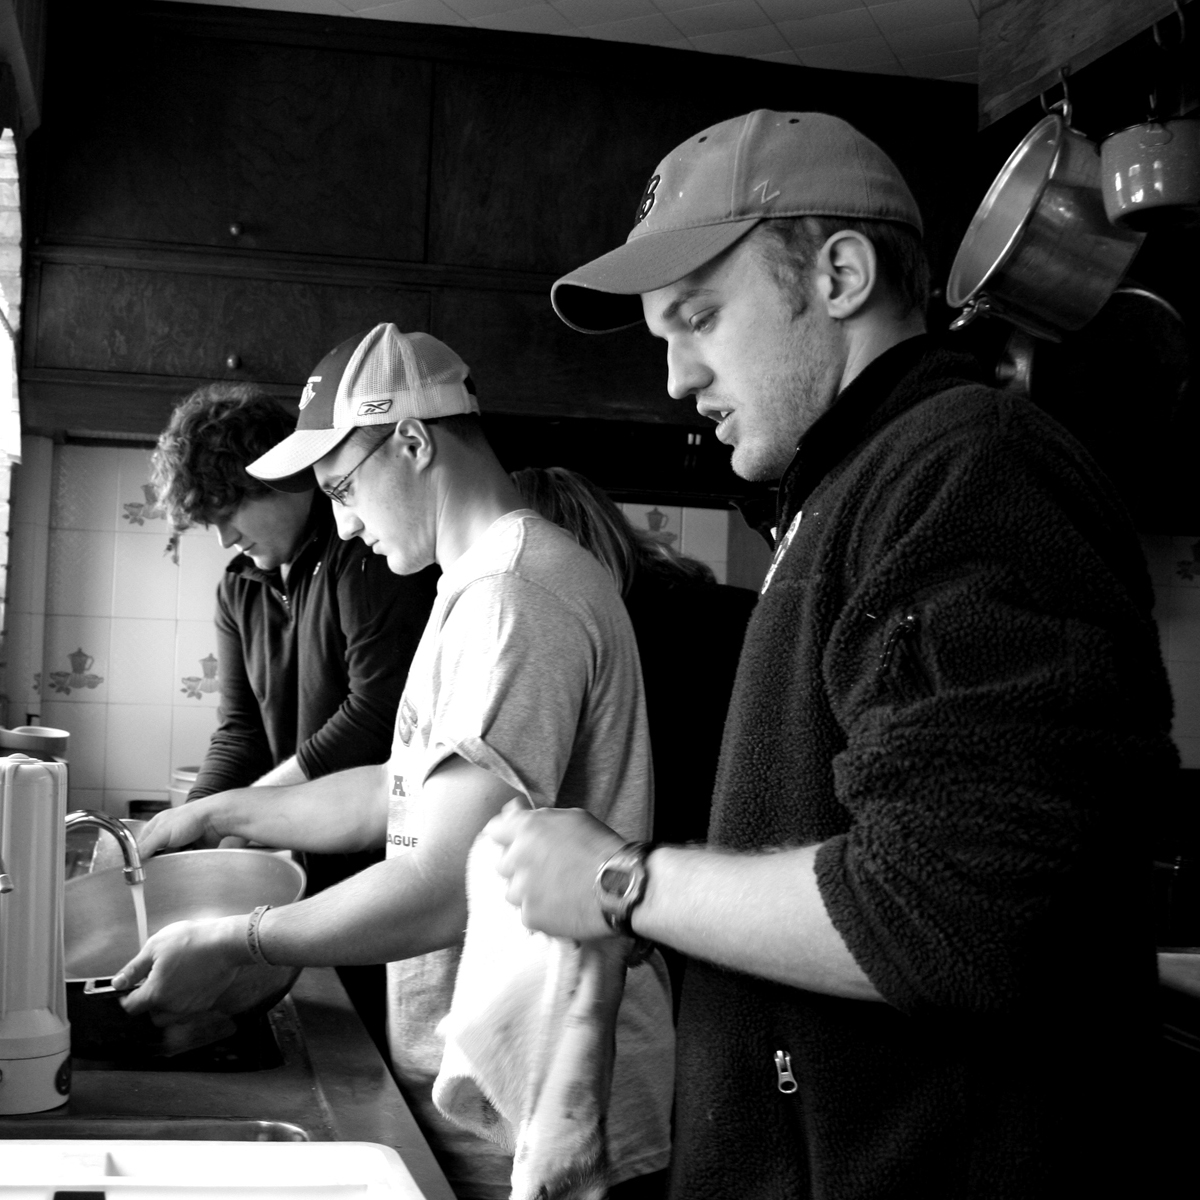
(620, 885)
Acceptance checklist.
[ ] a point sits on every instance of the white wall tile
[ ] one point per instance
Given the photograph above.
(28, 549)
(31, 481)
(138, 747)
(749, 554)
(1189, 751)
(192, 683)
(117, 800)
(87, 724)
(706, 534)
(1186, 567)
(145, 579)
(139, 511)
(79, 576)
(80, 797)
(191, 729)
(202, 562)
(75, 663)
(24, 650)
(141, 661)
(85, 488)
(664, 522)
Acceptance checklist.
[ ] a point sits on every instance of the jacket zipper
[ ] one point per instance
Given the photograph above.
(783, 1068)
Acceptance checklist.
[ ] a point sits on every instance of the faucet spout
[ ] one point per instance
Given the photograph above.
(133, 870)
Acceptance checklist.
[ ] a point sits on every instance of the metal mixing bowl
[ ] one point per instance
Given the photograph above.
(100, 933)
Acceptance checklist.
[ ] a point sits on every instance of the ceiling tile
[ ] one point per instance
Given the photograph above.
(781, 56)
(535, 18)
(649, 31)
(862, 55)
(749, 43)
(590, 12)
(799, 10)
(917, 14)
(424, 12)
(474, 9)
(938, 66)
(328, 8)
(934, 39)
(829, 30)
(718, 18)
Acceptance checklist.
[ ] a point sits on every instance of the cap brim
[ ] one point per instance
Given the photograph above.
(296, 452)
(304, 481)
(605, 294)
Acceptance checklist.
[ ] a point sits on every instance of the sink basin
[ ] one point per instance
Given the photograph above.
(192, 1129)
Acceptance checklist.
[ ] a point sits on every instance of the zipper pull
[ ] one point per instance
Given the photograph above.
(783, 1068)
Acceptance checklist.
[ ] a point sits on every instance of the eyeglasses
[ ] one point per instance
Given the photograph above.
(338, 491)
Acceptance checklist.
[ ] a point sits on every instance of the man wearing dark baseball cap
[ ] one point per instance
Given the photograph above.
(949, 687)
(525, 684)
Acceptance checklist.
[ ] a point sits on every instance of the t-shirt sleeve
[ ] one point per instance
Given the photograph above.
(511, 674)
(995, 679)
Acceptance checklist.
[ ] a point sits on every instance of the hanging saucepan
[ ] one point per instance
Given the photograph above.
(1040, 250)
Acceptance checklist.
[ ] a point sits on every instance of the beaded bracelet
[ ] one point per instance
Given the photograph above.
(252, 943)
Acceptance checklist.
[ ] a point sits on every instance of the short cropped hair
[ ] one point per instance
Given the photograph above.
(199, 465)
(789, 246)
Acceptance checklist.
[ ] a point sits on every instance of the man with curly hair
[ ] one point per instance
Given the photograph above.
(314, 635)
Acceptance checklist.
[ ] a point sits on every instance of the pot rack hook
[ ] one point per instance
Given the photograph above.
(1157, 27)
(1063, 105)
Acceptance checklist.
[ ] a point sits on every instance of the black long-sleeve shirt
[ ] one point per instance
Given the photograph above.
(313, 666)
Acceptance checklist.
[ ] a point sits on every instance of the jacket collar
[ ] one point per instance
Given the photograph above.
(896, 381)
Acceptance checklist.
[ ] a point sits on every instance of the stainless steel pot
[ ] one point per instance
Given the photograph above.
(1040, 251)
(100, 935)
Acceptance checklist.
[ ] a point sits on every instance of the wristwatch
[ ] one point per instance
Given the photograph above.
(621, 884)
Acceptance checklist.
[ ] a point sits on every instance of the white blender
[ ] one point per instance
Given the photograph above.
(35, 1037)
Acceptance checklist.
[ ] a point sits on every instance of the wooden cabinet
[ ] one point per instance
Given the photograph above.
(223, 185)
(186, 139)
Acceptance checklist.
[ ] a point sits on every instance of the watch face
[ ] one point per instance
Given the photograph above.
(616, 881)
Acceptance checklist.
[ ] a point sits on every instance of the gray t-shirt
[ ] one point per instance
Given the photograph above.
(528, 668)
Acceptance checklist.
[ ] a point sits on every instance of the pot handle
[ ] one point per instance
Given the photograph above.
(97, 987)
(1063, 106)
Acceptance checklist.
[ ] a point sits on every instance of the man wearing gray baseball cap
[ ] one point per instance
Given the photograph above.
(950, 684)
(525, 683)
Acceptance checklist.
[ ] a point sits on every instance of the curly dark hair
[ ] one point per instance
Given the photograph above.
(199, 465)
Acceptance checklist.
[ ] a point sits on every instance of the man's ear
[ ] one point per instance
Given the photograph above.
(414, 440)
(847, 273)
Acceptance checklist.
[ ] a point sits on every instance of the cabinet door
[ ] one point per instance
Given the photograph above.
(173, 137)
(203, 326)
(525, 360)
(540, 172)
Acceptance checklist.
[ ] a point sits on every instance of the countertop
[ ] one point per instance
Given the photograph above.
(332, 1084)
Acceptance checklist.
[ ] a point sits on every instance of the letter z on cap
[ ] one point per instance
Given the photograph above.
(714, 188)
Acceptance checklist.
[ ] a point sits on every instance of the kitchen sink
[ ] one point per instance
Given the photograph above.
(193, 1129)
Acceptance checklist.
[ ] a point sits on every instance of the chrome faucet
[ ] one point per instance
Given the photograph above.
(134, 872)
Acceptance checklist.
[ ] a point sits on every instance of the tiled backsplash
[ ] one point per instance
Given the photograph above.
(1175, 570)
(110, 632)
(119, 646)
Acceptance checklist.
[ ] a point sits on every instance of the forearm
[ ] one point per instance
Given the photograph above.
(385, 913)
(284, 774)
(335, 814)
(757, 913)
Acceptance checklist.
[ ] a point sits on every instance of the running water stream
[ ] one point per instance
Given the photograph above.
(139, 908)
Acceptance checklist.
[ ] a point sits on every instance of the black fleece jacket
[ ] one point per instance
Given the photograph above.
(952, 682)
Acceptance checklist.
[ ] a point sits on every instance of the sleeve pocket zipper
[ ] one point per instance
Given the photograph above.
(902, 669)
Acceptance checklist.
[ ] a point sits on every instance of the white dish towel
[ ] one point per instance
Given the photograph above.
(530, 1042)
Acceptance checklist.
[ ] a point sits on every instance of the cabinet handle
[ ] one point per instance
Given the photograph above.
(232, 361)
(235, 229)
